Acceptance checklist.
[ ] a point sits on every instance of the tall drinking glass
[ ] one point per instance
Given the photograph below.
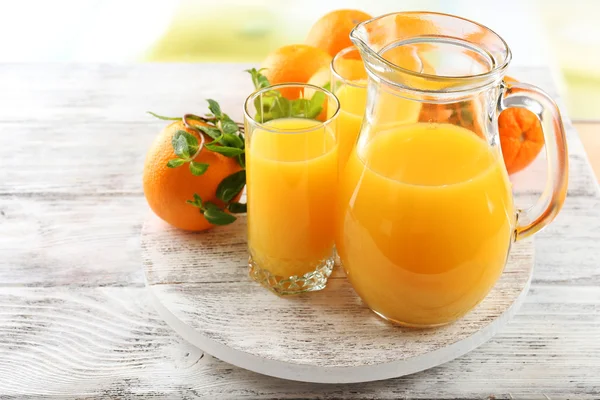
(349, 83)
(291, 166)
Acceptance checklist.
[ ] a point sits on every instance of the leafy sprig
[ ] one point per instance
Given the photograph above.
(227, 190)
(231, 186)
(186, 147)
(209, 119)
(227, 138)
(212, 212)
(258, 79)
(272, 104)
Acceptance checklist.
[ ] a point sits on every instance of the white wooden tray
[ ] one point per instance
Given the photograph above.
(200, 287)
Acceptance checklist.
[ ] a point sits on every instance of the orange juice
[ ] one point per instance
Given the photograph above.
(291, 188)
(353, 100)
(425, 221)
(389, 110)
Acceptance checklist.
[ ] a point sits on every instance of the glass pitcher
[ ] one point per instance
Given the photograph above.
(425, 215)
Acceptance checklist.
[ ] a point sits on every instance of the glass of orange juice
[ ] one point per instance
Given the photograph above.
(291, 180)
(349, 84)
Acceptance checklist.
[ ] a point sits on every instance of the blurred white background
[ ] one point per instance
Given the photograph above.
(562, 34)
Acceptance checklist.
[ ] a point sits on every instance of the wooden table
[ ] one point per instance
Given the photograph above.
(75, 317)
(589, 133)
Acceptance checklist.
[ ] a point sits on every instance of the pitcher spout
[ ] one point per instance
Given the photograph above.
(427, 51)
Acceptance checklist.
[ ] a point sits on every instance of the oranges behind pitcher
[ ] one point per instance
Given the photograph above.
(294, 63)
(169, 190)
(521, 136)
(520, 131)
(300, 62)
(332, 31)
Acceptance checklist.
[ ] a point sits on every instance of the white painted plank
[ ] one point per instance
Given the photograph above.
(67, 93)
(87, 129)
(93, 240)
(108, 342)
(108, 158)
(81, 241)
(84, 93)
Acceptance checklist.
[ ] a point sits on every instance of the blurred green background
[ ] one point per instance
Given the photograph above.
(562, 34)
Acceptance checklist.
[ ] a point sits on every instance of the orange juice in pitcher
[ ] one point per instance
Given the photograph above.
(425, 215)
(433, 232)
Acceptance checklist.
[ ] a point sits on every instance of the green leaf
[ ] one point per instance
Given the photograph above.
(198, 169)
(195, 118)
(225, 150)
(229, 127)
(264, 116)
(262, 104)
(209, 205)
(327, 86)
(212, 132)
(215, 108)
(180, 146)
(281, 107)
(163, 117)
(258, 80)
(197, 202)
(216, 216)
(300, 108)
(242, 160)
(176, 162)
(237, 208)
(231, 140)
(192, 142)
(274, 106)
(226, 118)
(184, 144)
(316, 105)
(231, 186)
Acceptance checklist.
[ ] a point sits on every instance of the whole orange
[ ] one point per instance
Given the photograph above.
(294, 63)
(332, 31)
(521, 136)
(167, 189)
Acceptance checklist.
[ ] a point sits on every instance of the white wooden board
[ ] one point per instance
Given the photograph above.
(199, 284)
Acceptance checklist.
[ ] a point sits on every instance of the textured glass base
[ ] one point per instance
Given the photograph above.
(309, 282)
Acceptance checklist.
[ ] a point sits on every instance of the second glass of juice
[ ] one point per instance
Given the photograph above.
(292, 172)
(349, 83)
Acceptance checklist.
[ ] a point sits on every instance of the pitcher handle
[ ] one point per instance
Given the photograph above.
(536, 217)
